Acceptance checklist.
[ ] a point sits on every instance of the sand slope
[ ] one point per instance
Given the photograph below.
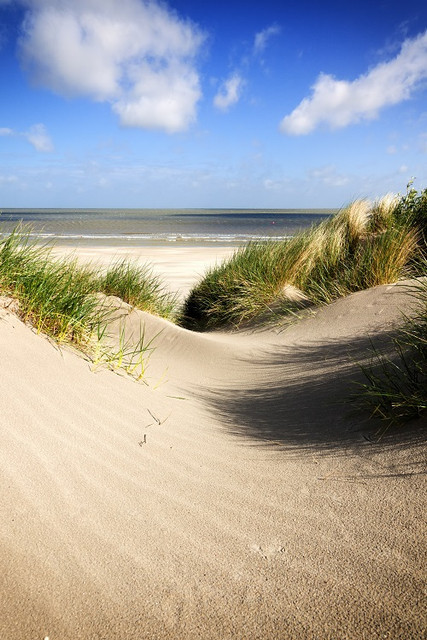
(254, 509)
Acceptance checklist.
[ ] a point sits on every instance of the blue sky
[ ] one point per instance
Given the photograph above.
(127, 103)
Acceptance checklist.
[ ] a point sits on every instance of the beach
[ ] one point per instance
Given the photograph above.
(213, 320)
(179, 268)
(179, 244)
(232, 494)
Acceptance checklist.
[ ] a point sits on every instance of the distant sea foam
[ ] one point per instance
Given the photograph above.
(160, 226)
(165, 237)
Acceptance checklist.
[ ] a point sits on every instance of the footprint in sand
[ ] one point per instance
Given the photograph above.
(267, 552)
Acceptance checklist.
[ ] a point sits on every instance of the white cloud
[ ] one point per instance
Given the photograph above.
(328, 176)
(37, 135)
(229, 92)
(135, 54)
(275, 185)
(262, 37)
(164, 99)
(339, 103)
(10, 179)
(391, 149)
(39, 138)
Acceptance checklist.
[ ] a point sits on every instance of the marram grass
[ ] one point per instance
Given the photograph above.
(56, 296)
(138, 286)
(60, 297)
(362, 246)
(395, 387)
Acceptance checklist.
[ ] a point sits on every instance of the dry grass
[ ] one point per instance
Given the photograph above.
(362, 246)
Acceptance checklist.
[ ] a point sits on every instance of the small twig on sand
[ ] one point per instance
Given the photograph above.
(158, 421)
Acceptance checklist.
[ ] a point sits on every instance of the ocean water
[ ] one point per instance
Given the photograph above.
(145, 227)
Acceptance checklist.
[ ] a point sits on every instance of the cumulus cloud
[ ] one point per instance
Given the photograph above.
(135, 54)
(262, 37)
(229, 92)
(339, 103)
(37, 136)
(164, 99)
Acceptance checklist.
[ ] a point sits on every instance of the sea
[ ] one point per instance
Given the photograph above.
(160, 227)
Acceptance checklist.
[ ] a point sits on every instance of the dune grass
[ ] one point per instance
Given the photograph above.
(396, 383)
(127, 355)
(138, 286)
(55, 296)
(362, 246)
(60, 297)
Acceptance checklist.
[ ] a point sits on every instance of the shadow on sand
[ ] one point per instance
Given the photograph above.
(298, 399)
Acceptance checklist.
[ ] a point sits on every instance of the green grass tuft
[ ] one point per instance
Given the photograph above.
(362, 246)
(60, 297)
(55, 296)
(396, 384)
(138, 286)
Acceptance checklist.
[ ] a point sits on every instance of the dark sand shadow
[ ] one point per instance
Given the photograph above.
(302, 400)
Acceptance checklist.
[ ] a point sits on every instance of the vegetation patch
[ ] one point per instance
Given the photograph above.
(60, 297)
(396, 383)
(139, 287)
(364, 245)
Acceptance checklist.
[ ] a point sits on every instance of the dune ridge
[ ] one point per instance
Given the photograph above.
(233, 496)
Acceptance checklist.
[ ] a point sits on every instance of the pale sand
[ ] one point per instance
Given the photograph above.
(179, 267)
(254, 509)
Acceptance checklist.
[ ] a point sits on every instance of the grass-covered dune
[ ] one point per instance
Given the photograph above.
(364, 245)
(60, 297)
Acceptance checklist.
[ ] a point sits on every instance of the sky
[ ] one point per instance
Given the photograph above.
(225, 104)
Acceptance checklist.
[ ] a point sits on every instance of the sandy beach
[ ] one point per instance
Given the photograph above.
(233, 495)
(179, 267)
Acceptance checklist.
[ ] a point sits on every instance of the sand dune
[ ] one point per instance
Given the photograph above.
(234, 496)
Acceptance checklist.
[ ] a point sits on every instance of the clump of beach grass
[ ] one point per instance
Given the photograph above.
(383, 211)
(55, 296)
(396, 382)
(138, 286)
(60, 297)
(127, 355)
(362, 246)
